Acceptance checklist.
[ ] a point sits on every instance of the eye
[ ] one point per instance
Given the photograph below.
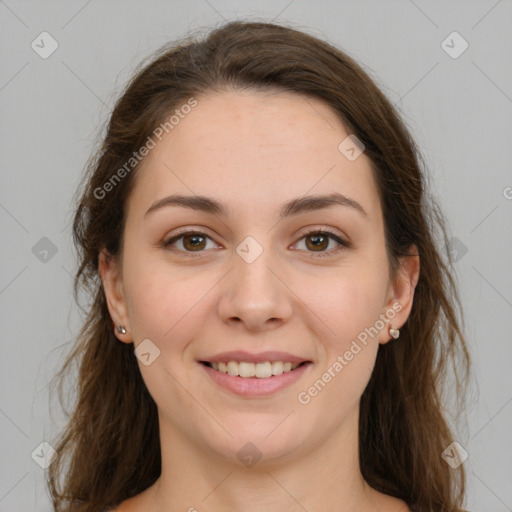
(190, 241)
(318, 242)
(322, 242)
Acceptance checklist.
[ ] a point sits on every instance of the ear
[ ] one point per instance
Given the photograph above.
(401, 293)
(111, 277)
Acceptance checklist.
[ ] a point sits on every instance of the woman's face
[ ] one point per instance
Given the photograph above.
(256, 180)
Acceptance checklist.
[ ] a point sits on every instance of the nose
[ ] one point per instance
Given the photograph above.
(253, 296)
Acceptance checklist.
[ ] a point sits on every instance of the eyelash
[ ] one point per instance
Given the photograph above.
(343, 244)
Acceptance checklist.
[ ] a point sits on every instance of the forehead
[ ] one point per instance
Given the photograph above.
(255, 147)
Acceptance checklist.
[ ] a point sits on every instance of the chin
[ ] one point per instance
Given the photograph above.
(257, 441)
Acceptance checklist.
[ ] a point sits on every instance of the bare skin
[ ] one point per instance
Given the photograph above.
(253, 152)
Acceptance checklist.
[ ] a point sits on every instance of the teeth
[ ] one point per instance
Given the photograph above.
(277, 368)
(233, 368)
(246, 369)
(259, 370)
(263, 370)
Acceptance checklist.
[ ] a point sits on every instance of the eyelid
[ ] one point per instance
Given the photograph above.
(186, 231)
(341, 240)
(322, 229)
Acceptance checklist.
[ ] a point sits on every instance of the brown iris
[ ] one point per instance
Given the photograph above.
(317, 242)
(194, 242)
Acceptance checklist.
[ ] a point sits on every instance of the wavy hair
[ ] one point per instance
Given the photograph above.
(109, 449)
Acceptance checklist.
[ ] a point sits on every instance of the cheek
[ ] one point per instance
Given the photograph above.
(168, 307)
(345, 317)
(347, 301)
(349, 348)
(164, 301)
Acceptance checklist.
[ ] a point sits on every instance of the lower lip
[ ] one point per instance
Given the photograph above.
(254, 386)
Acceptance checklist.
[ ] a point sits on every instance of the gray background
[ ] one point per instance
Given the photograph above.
(459, 110)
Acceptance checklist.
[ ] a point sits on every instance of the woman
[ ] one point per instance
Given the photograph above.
(271, 319)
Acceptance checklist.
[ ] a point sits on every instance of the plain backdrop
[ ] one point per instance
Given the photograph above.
(457, 101)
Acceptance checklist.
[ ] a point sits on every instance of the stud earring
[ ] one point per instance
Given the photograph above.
(121, 329)
(394, 333)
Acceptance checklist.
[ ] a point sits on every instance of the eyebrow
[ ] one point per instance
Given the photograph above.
(294, 207)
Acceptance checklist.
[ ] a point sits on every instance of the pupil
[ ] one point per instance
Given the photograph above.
(194, 242)
(318, 241)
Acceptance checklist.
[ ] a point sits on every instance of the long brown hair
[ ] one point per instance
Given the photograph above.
(109, 450)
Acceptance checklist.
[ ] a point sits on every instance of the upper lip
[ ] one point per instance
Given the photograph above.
(261, 357)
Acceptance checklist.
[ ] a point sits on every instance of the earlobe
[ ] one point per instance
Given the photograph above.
(402, 294)
(111, 278)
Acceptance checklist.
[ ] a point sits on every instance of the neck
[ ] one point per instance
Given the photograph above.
(326, 477)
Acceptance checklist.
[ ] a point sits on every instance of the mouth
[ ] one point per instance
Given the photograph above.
(260, 370)
(259, 379)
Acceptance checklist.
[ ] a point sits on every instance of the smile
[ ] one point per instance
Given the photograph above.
(254, 380)
(246, 369)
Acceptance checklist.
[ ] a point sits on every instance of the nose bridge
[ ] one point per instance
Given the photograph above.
(252, 293)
